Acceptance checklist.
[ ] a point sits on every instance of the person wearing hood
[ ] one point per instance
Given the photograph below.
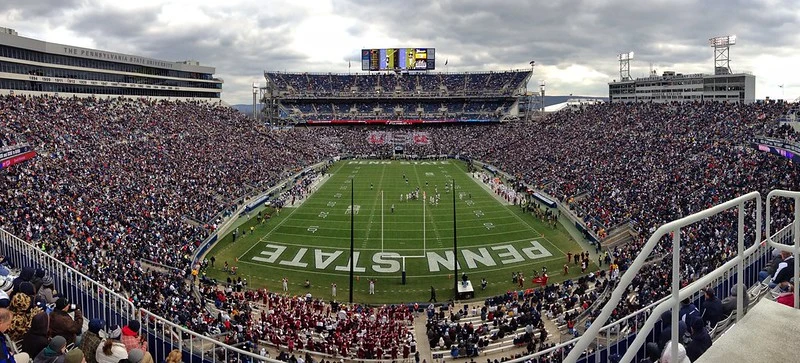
(61, 323)
(37, 279)
(91, 339)
(24, 276)
(131, 337)
(23, 315)
(34, 341)
(47, 292)
(701, 341)
(666, 331)
(53, 352)
(111, 350)
(666, 355)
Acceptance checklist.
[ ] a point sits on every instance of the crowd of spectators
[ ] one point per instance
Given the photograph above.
(481, 110)
(31, 329)
(117, 181)
(311, 85)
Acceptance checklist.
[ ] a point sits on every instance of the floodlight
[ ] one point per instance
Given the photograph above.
(722, 41)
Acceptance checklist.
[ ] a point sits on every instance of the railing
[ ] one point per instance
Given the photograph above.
(98, 301)
(94, 299)
(678, 294)
(793, 248)
(165, 336)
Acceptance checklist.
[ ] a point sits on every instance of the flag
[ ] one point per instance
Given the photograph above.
(445, 61)
(348, 64)
(540, 280)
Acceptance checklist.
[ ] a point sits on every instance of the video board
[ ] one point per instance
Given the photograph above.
(402, 59)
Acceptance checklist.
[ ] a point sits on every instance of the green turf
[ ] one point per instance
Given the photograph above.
(312, 241)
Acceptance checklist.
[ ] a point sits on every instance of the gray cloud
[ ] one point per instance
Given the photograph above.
(243, 39)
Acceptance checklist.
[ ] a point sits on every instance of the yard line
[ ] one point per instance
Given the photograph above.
(268, 233)
(435, 231)
(372, 211)
(294, 209)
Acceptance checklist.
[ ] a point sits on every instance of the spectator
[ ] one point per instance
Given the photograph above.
(75, 356)
(135, 356)
(784, 271)
(701, 341)
(712, 308)
(23, 314)
(729, 303)
(112, 349)
(174, 356)
(46, 292)
(25, 275)
(91, 339)
(666, 355)
(36, 338)
(53, 352)
(61, 323)
(689, 312)
(131, 337)
(6, 356)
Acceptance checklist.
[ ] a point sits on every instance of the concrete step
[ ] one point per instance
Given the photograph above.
(767, 333)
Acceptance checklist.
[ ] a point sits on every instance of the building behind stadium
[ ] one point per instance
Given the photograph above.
(30, 66)
(671, 86)
(722, 86)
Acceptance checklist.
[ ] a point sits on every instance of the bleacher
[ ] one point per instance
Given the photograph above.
(495, 344)
(484, 96)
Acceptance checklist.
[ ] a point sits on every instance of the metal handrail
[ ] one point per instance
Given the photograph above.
(795, 247)
(674, 227)
(23, 253)
(155, 319)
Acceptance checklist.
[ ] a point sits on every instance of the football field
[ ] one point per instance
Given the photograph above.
(393, 233)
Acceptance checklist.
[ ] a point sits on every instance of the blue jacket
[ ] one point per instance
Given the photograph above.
(688, 313)
(712, 311)
(5, 354)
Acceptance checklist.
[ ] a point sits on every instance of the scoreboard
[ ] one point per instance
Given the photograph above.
(403, 59)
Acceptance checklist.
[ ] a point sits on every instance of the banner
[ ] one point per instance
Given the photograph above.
(398, 138)
(5, 163)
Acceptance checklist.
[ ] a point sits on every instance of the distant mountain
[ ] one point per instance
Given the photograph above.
(548, 101)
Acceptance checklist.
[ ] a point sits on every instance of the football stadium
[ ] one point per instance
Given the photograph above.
(402, 213)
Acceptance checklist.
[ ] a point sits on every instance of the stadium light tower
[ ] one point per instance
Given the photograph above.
(530, 97)
(625, 66)
(541, 90)
(722, 51)
(255, 95)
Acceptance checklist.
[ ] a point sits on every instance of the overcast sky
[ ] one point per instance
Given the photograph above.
(574, 43)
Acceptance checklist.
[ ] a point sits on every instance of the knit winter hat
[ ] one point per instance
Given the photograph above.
(95, 325)
(135, 355)
(74, 356)
(57, 343)
(47, 281)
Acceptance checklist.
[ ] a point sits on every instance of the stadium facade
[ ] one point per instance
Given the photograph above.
(30, 66)
(672, 87)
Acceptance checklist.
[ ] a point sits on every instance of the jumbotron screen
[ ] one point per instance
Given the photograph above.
(403, 59)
